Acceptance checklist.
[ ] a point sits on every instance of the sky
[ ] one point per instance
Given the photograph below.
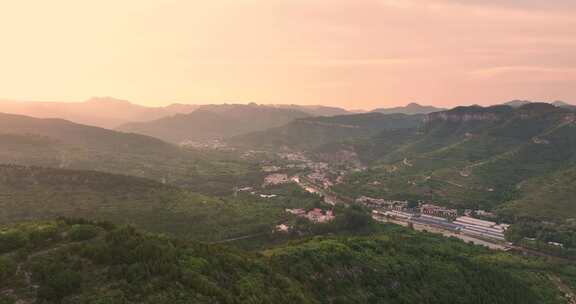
(349, 53)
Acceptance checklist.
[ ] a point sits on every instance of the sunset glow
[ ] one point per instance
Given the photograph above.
(349, 53)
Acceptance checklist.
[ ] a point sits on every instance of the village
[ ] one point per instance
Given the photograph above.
(321, 177)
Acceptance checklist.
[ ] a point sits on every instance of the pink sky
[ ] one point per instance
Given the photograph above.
(350, 53)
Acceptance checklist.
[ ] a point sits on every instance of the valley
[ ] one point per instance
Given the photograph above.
(476, 179)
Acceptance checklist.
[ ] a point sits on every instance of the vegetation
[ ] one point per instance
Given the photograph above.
(312, 133)
(62, 144)
(33, 193)
(123, 265)
(518, 162)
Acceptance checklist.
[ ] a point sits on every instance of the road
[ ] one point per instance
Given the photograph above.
(329, 197)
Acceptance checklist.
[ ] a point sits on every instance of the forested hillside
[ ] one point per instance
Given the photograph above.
(312, 133)
(77, 261)
(33, 193)
(471, 157)
(63, 144)
(518, 162)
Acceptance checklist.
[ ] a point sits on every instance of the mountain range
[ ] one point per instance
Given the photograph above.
(103, 112)
(476, 157)
(215, 122)
(410, 109)
(108, 112)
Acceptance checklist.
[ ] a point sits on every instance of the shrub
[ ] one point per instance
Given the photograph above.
(83, 232)
(59, 285)
(12, 240)
(7, 269)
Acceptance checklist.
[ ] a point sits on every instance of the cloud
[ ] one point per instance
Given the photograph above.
(523, 73)
(511, 4)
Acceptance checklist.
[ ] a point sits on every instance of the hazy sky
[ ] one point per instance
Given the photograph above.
(352, 53)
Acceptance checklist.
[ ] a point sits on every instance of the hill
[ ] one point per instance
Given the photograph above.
(34, 193)
(517, 162)
(546, 197)
(472, 157)
(312, 133)
(410, 109)
(76, 261)
(63, 144)
(215, 122)
(103, 112)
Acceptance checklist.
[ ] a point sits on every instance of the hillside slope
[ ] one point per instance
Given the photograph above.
(33, 193)
(311, 133)
(62, 144)
(472, 157)
(78, 261)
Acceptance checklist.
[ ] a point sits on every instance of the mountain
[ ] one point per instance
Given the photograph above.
(518, 162)
(410, 109)
(76, 134)
(315, 110)
(311, 133)
(104, 112)
(63, 144)
(79, 261)
(473, 157)
(215, 122)
(558, 103)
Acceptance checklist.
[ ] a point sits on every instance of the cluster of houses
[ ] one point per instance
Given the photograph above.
(276, 179)
(380, 203)
(434, 210)
(320, 178)
(441, 217)
(212, 144)
(315, 215)
(253, 192)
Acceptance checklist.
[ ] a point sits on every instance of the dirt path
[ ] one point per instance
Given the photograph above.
(238, 238)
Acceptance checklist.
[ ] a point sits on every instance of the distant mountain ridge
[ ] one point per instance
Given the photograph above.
(309, 133)
(410, 109)
(103, 112)
(558, 103)
(215, 122)
(315, 110)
